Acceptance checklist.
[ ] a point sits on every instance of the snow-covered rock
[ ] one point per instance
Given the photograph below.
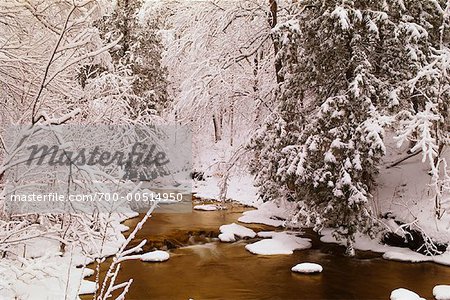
(404, 294)
(269, 247)
(441, 292)
(279, 243)
(230, 231)
(155, 256)
(307, 268)
(207, 207)
(227, 237)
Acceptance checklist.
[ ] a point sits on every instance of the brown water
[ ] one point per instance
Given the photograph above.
(215, 270)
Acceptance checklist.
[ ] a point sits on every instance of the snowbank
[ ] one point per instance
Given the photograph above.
(230, 231)
(404, 294)
(155, 256)
(279, 243)
(269, 213)
(307, 268)
(441, 292)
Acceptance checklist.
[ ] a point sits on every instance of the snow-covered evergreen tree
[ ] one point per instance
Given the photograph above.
(346, 65)
(140, 51)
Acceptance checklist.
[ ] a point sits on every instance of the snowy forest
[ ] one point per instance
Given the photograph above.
(297, 149)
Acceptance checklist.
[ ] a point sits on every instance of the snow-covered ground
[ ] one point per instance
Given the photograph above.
(240, 189)
(404, 191)
(44, 271)
(51, 276)
(269, 213)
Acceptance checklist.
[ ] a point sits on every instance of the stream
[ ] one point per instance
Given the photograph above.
(201, 267)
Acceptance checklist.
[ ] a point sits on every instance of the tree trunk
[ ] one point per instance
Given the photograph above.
(217, 128)
(232, 122)
(273, 22)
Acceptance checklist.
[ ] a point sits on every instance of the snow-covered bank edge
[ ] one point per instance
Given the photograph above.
(365, 243)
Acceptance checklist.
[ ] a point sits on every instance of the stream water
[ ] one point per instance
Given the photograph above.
(200, 267)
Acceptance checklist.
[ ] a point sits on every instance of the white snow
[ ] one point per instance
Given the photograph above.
(87, 287)
(230, 231)
(46, 271)
(279, 243)
(38, 247)
(227, 237)
(441, 292)
(405, 191)
(268, 247)
(240, 189)
(123, 227)
(341, 14)
(307, 268)
(405, 255)
(404, 294)
(155, 256)
(50, 276)
(269, 213)
(208, 207)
